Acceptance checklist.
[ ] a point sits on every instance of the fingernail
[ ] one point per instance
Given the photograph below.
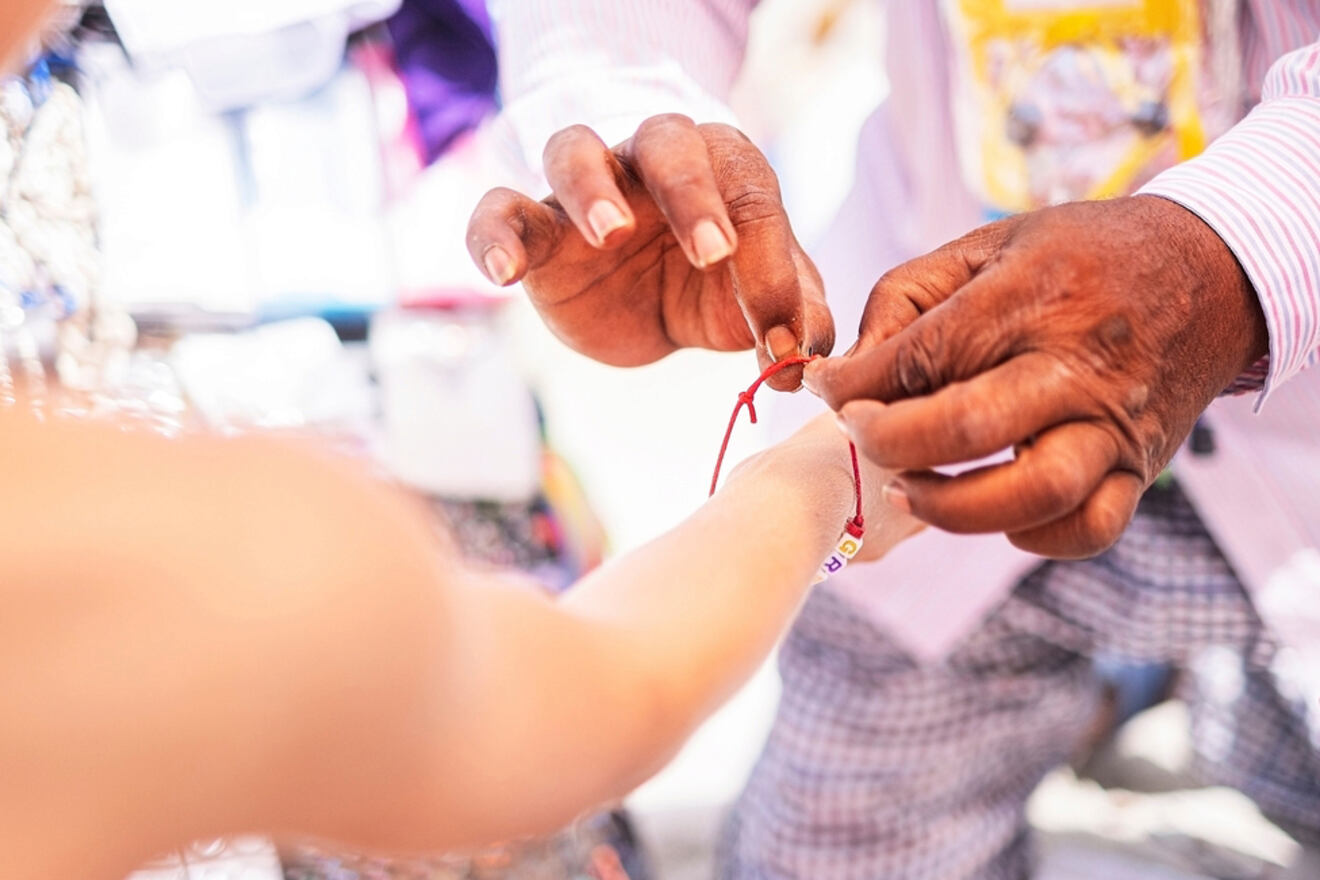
(897, 498)
(809, 374)
(781, 342)
(709, 243)
(499, 265)
(604, 217)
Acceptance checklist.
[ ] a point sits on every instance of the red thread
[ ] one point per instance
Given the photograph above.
(856, 525)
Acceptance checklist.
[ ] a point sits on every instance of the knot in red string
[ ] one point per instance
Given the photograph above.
(746, 398)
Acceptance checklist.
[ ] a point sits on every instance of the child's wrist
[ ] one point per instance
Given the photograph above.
(814, 478)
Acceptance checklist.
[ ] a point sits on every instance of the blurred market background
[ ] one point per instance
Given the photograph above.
(249, 215)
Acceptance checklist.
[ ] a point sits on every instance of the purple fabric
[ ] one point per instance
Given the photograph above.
(446, 55)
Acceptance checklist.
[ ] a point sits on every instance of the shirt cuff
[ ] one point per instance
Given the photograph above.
(1258, 188)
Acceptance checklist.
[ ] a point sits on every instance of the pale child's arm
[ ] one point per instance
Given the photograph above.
(210, 636)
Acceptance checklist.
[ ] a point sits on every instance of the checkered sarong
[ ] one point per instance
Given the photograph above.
(878, 767)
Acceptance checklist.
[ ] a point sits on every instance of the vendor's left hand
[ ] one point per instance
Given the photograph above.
(675, 238)
(1089, 337)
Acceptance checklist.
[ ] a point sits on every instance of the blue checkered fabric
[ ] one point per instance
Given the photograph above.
(879, 767)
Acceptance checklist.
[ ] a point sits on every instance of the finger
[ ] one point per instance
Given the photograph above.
(1090, 529)
(1049, 479)
(911, 289)
(966, 420)
(510, 234)
(972, 331)
(672, 159)
(583, 174)
(817, 335)
(773, 280)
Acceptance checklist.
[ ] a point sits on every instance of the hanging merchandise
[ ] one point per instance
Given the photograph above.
(458, 421)
(447, 60)
(242, 52)
(63, 352)
(1056, 100)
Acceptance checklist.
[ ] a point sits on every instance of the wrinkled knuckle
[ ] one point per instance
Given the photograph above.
(1157, 448)
(750, 203)
(916, 364)
(898, 286)
(892, 277)
(1135, 400)
(1110, 341)
(1144, 447)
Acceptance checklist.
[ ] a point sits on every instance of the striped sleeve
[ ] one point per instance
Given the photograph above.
(1258, 187)
(611, 64)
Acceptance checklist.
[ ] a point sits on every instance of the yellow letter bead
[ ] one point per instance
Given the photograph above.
(847, 548)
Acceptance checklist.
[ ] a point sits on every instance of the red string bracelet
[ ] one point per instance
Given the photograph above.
(850, 541)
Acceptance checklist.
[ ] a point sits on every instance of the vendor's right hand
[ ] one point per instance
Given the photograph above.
(675, 238)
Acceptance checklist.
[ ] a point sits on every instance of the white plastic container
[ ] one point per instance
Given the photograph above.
(458, 419)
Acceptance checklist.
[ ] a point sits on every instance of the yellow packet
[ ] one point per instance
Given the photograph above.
(1056, 100)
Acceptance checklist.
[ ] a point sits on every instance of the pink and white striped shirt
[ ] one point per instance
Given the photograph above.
(610, 64)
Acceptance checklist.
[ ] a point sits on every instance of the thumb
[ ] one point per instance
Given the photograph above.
(777, 339)
(953, 341)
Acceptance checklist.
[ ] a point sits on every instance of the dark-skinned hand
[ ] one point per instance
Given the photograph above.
(676, 238)
(1088, 337)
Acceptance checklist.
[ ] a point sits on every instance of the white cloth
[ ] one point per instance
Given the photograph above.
(238, 52)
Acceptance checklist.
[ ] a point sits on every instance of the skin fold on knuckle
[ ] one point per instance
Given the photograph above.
(917, 363)
(750, 203)
(904, 289)
(1141, 441)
